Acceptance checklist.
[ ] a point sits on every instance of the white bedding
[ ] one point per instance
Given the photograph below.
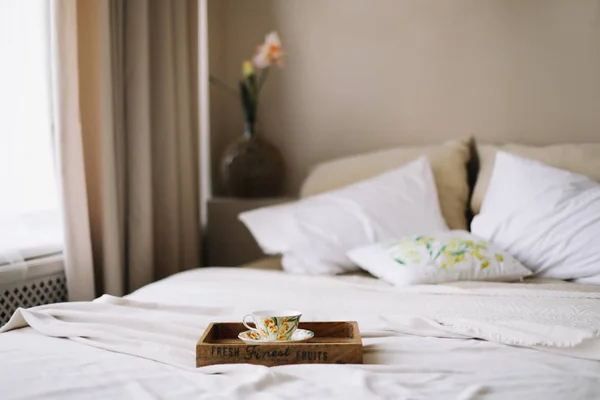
(162, 322)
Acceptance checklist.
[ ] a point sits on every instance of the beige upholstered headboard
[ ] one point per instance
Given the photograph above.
(365, 75)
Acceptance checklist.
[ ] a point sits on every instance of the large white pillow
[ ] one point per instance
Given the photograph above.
(436, 258)
(315, 233)
(448, 163)
(582, 158)
(547, 218)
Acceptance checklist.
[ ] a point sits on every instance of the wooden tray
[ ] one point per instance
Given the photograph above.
(334, 343)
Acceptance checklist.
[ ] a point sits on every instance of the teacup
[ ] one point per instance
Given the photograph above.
(274, 325)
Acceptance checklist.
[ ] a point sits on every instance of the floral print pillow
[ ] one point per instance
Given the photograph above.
(440, 257)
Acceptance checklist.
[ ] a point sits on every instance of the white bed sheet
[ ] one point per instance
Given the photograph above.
(396, 365)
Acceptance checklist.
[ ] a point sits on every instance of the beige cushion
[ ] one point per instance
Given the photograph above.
(580, 158)
(448, 162)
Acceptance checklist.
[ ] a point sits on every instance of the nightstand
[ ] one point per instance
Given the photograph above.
(229, 242)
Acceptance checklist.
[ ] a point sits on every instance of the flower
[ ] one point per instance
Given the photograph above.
(254, 75)
(247, 69)
(269, 52)
(253, 335)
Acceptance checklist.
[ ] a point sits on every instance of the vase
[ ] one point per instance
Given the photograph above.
(252, 167)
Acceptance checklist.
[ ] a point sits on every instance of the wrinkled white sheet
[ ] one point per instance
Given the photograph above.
(163, 321)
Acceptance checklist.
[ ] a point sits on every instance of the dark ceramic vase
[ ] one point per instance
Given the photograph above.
(252, 167)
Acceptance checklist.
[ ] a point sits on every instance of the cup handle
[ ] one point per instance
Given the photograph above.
(253, 321)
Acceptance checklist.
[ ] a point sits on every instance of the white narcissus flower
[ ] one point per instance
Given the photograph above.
(269, 52)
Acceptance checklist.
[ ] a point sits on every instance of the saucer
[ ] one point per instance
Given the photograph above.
(299, 335)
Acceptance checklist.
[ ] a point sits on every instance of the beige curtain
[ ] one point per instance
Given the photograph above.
(132, 216)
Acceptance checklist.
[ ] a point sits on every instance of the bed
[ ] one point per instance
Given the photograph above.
(537, 338)
(397, 365)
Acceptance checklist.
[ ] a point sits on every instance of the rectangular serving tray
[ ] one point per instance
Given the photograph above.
(334, 343)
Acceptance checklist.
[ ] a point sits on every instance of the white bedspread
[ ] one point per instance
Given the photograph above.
(163, 321)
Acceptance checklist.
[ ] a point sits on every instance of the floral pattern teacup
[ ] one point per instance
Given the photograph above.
(273, 325)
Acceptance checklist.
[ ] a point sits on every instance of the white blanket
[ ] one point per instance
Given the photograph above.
(163, 321)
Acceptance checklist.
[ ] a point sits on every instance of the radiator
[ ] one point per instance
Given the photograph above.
(45, 283)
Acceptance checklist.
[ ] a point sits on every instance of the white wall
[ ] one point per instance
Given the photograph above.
(363, 75)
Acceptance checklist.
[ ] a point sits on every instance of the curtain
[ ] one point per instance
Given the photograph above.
(130, 171)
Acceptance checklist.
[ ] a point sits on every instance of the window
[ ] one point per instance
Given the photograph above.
(30, 223)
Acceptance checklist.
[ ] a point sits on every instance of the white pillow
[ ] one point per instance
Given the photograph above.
(547, 218)
(436, 258)
(448, 163)
(582, 158)
(315, 233)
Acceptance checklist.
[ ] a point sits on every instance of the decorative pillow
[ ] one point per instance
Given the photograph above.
(315, 233)
(448, 162)
(580, 158)
(436, 258)
(547, 218)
